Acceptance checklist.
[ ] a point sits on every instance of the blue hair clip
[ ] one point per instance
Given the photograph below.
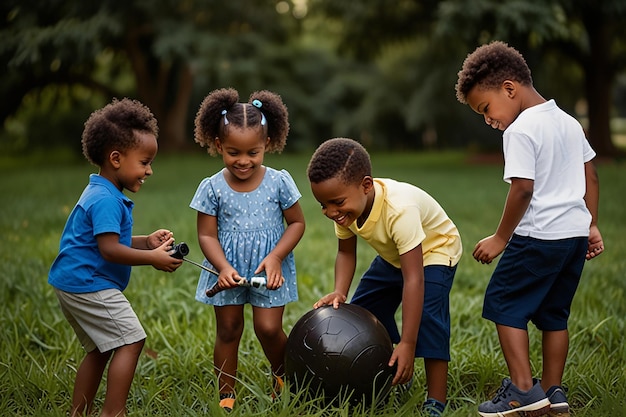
(257, 103)
(225, 119)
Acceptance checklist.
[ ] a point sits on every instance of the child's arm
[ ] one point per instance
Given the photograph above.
(158, 256)
(592, 197)
(213, 252)
(412, 265)
(152, 241)
(271, 264)
(345, 265)
(517, 202)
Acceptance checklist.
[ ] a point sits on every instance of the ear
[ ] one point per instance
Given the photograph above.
(367, 183)
(510, 87)
(267, 141)
(218, 145)
(115, 159)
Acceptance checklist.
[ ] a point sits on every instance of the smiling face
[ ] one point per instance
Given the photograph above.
(345, 203)
(498, 106)
(243, 151)
(134, 165)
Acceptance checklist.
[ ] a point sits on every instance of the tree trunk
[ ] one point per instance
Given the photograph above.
(599, 77)
(175, 107)
(165, 87)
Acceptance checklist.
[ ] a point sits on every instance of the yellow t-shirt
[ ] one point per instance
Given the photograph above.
(402, 217)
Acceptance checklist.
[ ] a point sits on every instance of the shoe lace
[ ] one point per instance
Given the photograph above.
(501, 393)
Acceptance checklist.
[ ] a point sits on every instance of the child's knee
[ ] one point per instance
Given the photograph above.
(268, 331)
(230, 332)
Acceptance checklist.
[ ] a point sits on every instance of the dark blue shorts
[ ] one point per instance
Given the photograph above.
(535, 280)
(380, 291)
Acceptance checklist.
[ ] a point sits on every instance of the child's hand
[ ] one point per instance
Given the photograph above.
(163, 260)
(228, 278)
(157, 238)
(596, 245)
(334, 299)
(403, 356)
(273, 271)
(488, 249)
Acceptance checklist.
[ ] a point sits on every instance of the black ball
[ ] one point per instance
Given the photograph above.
(340, 354)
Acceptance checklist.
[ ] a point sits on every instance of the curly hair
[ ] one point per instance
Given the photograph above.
(341, 158)
(113, 127)
(221, 110)
(489, 66)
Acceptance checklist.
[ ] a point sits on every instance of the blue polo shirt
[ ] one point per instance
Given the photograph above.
(79, 267)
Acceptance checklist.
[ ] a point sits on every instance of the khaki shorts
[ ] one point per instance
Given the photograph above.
(102, 319)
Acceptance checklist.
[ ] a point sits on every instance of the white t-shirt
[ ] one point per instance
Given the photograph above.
(548, 146)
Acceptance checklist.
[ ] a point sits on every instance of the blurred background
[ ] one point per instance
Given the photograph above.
(379, 71)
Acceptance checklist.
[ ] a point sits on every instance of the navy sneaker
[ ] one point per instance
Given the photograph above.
(433, 408)
(511, 401)
(558, 401)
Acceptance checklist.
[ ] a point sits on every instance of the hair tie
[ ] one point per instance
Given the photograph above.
(258, 104)
(225, 119)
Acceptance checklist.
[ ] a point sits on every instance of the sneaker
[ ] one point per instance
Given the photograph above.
(433, 408)
(558, 401)
(511, 401)
(227, 401)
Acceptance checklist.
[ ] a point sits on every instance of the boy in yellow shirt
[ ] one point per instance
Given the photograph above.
(418, 249)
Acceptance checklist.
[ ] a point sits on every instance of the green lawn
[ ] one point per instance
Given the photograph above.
(39, 353)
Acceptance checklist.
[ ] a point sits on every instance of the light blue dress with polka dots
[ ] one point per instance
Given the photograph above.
(249, 226)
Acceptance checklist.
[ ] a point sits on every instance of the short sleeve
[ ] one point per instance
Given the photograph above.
(205, 200)
(588, 152)
(106, 216)
(406, 229)
(520, 156)
(343, 232)
(289, 193)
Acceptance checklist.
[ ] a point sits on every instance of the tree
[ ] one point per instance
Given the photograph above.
(588, 34)
(95, 44)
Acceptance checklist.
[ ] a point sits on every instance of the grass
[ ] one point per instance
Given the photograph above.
(39, 353)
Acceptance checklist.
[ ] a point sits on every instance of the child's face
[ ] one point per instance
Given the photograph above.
(497, 105)
(345, 203)
(135, 165)
(242, 152)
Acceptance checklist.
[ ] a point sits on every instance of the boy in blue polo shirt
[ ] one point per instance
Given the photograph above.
(97, 250)
(547, 230)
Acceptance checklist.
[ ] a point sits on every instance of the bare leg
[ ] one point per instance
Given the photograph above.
(436, 379)
(514, 343)
(87, 380)
(268, 326)
(230, 322)
(555, 347)
(120, 377)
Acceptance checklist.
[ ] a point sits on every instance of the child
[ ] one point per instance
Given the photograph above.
(97, 250)
(418, 249)
(547, 230)
(241, 214)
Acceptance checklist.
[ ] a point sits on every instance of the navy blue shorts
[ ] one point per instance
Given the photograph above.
(535, 280)
(380, 292)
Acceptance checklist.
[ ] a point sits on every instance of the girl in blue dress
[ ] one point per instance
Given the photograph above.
(249, 222)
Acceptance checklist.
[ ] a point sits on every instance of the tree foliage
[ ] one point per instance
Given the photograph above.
(575, 47)
(380, 71)
(161, 44)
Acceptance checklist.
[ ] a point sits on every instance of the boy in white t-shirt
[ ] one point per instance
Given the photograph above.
(418, 250)
(547, 230)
